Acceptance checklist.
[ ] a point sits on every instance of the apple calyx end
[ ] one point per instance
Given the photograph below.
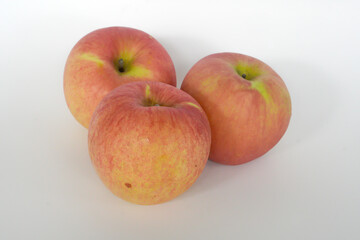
(121, 65)
(151, 103)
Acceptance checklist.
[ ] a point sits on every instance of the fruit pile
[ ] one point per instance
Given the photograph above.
(150, 141)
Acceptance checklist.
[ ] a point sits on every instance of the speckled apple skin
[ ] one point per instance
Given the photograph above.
(91, 71)
(149, 154)
(247, 117)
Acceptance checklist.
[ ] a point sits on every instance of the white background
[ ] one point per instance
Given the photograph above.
(307, 187)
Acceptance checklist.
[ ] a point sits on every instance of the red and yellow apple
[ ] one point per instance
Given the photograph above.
(107, 58)
(149, 141)
(247, 104)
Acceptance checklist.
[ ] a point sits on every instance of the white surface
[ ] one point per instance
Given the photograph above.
(307, 187)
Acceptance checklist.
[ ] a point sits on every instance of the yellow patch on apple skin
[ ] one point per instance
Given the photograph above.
(138, 71)
(209, 84)
(270, 106)
(147, 91)
(92, 58)
(261, 88)
(168, 169)
(193, 105)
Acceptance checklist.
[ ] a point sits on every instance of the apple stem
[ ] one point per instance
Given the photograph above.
(121, 65)
(244, 75)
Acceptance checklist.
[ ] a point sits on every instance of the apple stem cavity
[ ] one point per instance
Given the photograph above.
(244, 75)
(121, 65)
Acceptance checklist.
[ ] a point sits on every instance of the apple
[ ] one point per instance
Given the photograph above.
(148, 141)
(247, 104)
(107, 58)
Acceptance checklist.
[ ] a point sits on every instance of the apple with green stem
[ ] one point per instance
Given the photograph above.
(107, 58)
(149, 141)
(247, 103)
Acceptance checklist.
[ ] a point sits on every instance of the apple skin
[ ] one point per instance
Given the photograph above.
(92, 70)
(248, 116)
(144, 153)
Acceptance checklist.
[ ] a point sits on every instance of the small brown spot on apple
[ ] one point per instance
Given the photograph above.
(195, 165)
(128, 185)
